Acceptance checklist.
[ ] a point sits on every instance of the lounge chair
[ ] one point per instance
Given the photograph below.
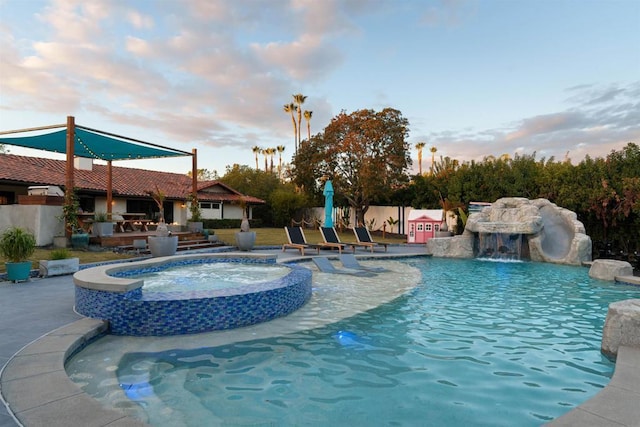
(325, 266)
(350, 261)
(297, 240)
(330, 237)
(364, 238)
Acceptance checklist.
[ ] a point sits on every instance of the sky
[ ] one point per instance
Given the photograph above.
(474, 78)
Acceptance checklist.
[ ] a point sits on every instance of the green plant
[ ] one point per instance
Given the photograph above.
(370, 224)
(392, 222)
(70, 213)
(17, 244)
(100, 217)
(194, 208)
(60, 253)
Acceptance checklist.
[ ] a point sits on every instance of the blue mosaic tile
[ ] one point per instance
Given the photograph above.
(174, 313)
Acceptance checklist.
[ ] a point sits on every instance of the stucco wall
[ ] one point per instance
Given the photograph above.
(41, 220)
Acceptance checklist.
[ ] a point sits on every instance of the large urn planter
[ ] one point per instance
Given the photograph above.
(163, 245)
(58, 267)
(18, 271)
(103, 229)
(245, 240)
(195, 226)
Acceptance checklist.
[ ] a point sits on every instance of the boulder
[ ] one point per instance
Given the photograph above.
(451, 247)
(622, 327)
(608, 269)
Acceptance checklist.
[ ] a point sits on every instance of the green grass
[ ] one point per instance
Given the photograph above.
(264, 237)
(277, 236)
(85, 257)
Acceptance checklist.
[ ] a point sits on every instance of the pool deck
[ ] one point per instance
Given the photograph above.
(40, 329)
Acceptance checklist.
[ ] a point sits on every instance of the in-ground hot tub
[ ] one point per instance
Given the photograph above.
(115, 293)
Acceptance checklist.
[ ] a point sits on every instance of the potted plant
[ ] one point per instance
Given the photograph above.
(16, 246)
(102, 226)
(163, 243)
(195, 222)
(70, 209)
(61, 262)
(245, 238)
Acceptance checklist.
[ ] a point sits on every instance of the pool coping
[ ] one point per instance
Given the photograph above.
(38, 391)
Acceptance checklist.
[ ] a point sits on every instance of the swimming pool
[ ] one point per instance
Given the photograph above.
(476, 343)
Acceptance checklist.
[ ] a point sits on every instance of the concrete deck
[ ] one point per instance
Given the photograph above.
(40, 329)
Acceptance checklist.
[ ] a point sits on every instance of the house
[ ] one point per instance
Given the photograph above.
(130, 189)
(423, 224)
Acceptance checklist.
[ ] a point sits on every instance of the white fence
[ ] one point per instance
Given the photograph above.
(376, 217)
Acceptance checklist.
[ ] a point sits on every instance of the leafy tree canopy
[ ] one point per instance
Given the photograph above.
(365, 153)
(205, 175)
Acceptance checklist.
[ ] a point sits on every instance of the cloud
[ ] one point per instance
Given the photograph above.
(599, 120)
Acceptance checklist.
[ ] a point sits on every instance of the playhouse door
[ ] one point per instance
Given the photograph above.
(421, 236)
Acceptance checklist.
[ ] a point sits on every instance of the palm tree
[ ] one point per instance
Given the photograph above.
(298, 100)
(420, 146)
(265, 153)
(271, 152)
(256, 151)
(280, 149)
(307, 117)
(291, 108)
(433, 157)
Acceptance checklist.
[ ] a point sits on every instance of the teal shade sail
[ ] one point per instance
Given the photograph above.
(92, 145)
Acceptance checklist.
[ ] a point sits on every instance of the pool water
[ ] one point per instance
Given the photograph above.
(210, 276)
(475, 344)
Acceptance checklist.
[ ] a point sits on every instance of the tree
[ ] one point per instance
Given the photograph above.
(420, 146)
(291, 108)
(433, 157)
(298, 100)
(280, 149)
(307, 117)
(256, 150)
(271, 152)
(205, 175)
(365, 153)
(265, 153)
(282, 200)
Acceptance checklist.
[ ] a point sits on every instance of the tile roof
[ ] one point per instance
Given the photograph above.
(125, 181)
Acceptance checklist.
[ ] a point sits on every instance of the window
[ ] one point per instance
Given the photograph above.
(427, 227)
(420, 225)
(209, 205)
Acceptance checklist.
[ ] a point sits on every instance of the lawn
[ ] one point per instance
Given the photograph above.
(264, 237)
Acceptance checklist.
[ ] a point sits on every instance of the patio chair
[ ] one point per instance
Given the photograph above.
(364, 238)
(350, 261)
(332, 240)
(325, 266)
(297, 240)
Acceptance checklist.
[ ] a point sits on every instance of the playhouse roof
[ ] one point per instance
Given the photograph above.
(429, 214)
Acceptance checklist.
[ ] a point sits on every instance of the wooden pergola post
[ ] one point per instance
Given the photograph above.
(109, 189)
(194, 174)
(69, 181)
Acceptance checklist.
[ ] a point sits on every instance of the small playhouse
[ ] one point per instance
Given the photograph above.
(423, 224)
